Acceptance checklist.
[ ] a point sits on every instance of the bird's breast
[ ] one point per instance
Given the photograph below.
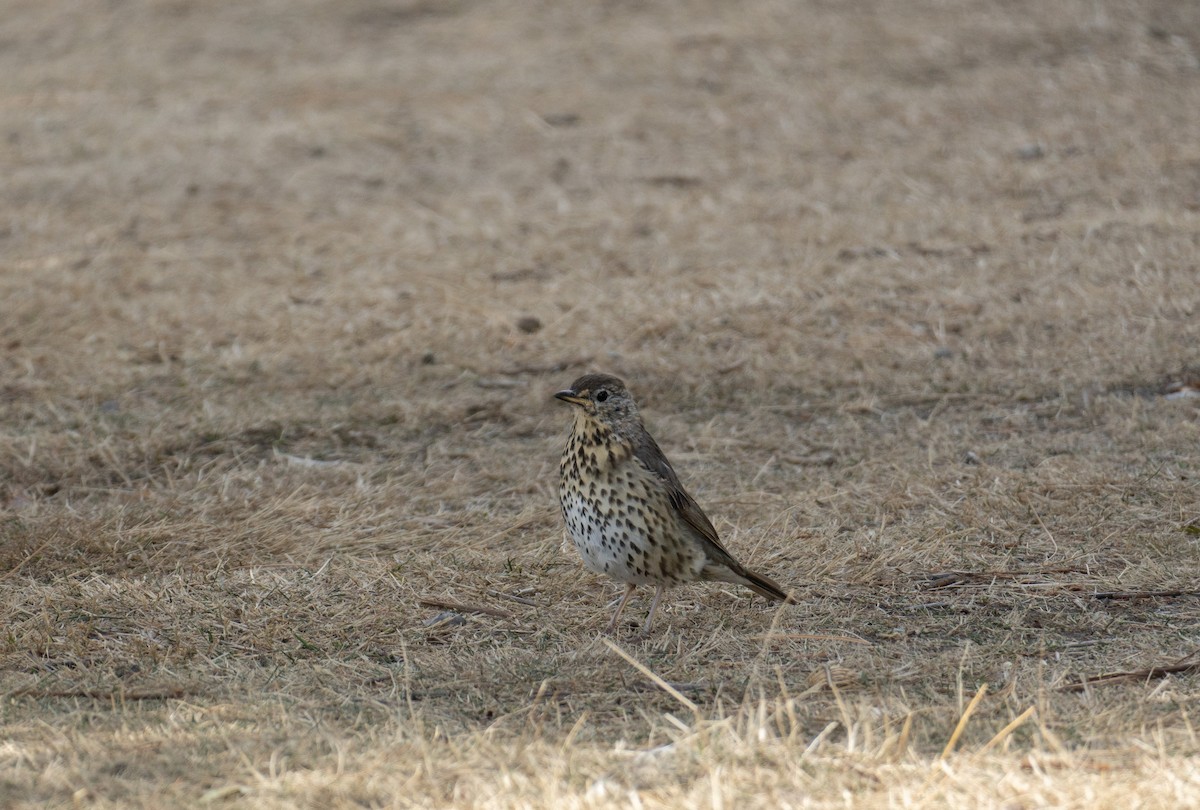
(619, 517)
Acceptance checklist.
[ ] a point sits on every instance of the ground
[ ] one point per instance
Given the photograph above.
(907, 292)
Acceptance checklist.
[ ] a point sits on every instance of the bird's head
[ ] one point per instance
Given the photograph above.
(601, 397)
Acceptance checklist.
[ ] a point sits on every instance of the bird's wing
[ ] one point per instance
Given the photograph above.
(648, 453)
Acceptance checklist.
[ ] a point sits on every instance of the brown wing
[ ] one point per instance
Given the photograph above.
(648, 454)
(647, 451)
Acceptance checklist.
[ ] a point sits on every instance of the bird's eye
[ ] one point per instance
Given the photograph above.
(601, 396)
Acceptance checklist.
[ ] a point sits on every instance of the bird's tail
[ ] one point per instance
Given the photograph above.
(755, 582)
(765, 587)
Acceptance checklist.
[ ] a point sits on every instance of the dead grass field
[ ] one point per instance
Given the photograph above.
(902, 287)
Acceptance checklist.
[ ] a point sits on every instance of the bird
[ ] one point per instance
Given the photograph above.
(625, 509)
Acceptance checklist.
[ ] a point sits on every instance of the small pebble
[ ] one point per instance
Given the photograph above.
(1031, 151)
(567, 119)
(529, 324)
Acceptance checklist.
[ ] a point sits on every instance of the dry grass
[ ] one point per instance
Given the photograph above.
(901, 287)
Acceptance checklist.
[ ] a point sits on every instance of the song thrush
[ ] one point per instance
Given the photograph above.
(625, 509)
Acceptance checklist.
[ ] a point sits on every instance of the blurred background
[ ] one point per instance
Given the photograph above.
(907, 290)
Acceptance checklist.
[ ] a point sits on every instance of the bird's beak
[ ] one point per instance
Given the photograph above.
(570, 396)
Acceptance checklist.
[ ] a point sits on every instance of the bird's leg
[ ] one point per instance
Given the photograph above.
(612, 626)
(658, 592)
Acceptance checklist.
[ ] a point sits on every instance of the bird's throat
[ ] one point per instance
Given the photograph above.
(597, 444)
